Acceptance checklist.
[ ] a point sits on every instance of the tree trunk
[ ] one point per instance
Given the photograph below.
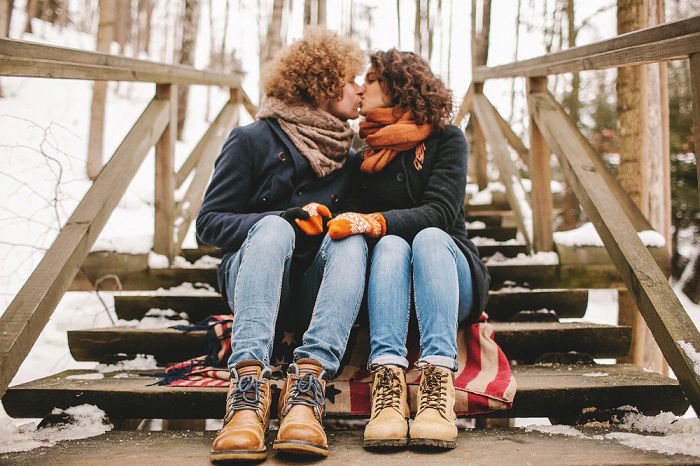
(273, 40)
(398, 22)
(105, 36)
(321, 9)
(190, 25)
(145, 14)
(307, 12)
(32, 12)
(417, 43)
(124, 20)
(6, 7)
(633, 110)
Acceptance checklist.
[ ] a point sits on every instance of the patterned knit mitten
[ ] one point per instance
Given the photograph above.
(352, 223)
(314, 224)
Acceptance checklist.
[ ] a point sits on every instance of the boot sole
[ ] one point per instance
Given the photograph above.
(299, 447)
(385, 443)
(238, 455)
(433, 443)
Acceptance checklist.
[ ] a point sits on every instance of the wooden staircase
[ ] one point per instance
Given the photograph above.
(553, 360)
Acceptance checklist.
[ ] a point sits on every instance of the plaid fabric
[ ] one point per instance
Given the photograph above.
(484, 381)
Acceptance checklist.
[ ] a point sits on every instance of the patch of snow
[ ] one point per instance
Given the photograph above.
(141, 362)
(692, 354)
(595, 374)
(481, 198)
(475, 225)
(680, 436)
(482, 241)
(187, 288)
(157, 261)
(121, 375)
(586, 235)
(95, 376)
(540, 258)
(556, 430)
(204, 262)
(83, 421)
(138, 244)
(524, 204)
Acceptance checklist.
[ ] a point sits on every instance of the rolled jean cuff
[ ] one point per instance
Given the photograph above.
(387, 359)
(442, 361)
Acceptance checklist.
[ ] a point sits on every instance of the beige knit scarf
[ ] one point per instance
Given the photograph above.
(320, 137)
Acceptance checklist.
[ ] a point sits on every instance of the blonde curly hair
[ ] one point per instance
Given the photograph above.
(313, 68)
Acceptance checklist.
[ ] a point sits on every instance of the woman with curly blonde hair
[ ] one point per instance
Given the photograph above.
(409, 200)
(274, 184)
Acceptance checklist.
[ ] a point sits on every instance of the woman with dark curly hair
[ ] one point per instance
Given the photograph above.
(409, 197)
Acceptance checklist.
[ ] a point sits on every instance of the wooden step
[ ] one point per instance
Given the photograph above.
(493, 221)
(496, 233)
(523, 341)
(536, 276)
(543, 391)
(508, 250)
(477, 447)
(502, 304)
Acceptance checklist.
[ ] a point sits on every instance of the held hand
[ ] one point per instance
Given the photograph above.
(312, 225)
(352, 223)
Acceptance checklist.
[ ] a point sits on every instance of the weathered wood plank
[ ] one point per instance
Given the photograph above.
(509, 177)
(502, 304)
(495, 233)
(543, 391)
(208, 148)
(522, 341)
(573, 59)
(465, 107)
(536, 276)
(476, 447)
(694, 60)
(28, 313)
(164, 196)
(513, 140)
(541, 176)
(655, 299)
(41, 60)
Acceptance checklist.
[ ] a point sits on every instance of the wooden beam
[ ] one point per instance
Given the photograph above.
(515, 192)
(247, 103)
(513, 140)
(623, 50)
(465, 107)
(541, 176)
(208, 148)
(28, 313)
(22, 58)
(658, 304)
(694, 60)
(163, 234)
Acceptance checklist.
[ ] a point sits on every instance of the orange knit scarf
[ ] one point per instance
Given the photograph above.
(388, 135)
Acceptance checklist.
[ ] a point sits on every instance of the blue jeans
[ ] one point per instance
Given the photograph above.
(442, 295)
(258, 287)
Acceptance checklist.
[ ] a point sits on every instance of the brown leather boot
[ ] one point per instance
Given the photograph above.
(247, 414)
(388, 425)
(302, 404)
(434, 425)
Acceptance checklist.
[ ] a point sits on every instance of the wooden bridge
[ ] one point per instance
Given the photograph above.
(554, 358)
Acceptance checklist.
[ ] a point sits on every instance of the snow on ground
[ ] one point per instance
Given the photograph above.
(540, 258)
(692, 354)
(82, 421)
(586, 235)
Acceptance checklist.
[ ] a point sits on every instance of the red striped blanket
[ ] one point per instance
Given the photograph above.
(484, 381)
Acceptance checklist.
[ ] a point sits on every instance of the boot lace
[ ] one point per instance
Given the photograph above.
(433, 390)
(246, 395)
(387, 391)
(308, 391)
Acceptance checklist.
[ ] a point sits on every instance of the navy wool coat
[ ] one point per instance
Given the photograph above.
(260, 172)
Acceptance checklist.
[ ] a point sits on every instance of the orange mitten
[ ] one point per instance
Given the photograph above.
(314, 224)
(352, 223)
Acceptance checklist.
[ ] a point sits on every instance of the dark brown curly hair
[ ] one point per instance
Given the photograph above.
(313, 68)
(408, 80)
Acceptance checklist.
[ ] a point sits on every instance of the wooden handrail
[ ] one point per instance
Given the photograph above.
(29, 59)
(668, 321)
(488, 121)
(663, 42)
(205, 152)
(29, 312)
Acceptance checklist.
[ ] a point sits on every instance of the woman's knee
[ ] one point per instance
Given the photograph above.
(392, 247)
(274, 231)
(429, 240)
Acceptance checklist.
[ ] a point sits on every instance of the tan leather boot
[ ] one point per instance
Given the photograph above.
(247, 415)
(388, 425)
(434, 425)
(302, 404)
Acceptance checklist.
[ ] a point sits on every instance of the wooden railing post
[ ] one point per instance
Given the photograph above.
(163, 235)
(479, 149)
(694, 60)
(541, 176)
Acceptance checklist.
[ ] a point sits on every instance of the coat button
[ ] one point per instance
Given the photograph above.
(264, 199)
(282, 157)
(335, 198)
(400, 177)
(299, 193)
